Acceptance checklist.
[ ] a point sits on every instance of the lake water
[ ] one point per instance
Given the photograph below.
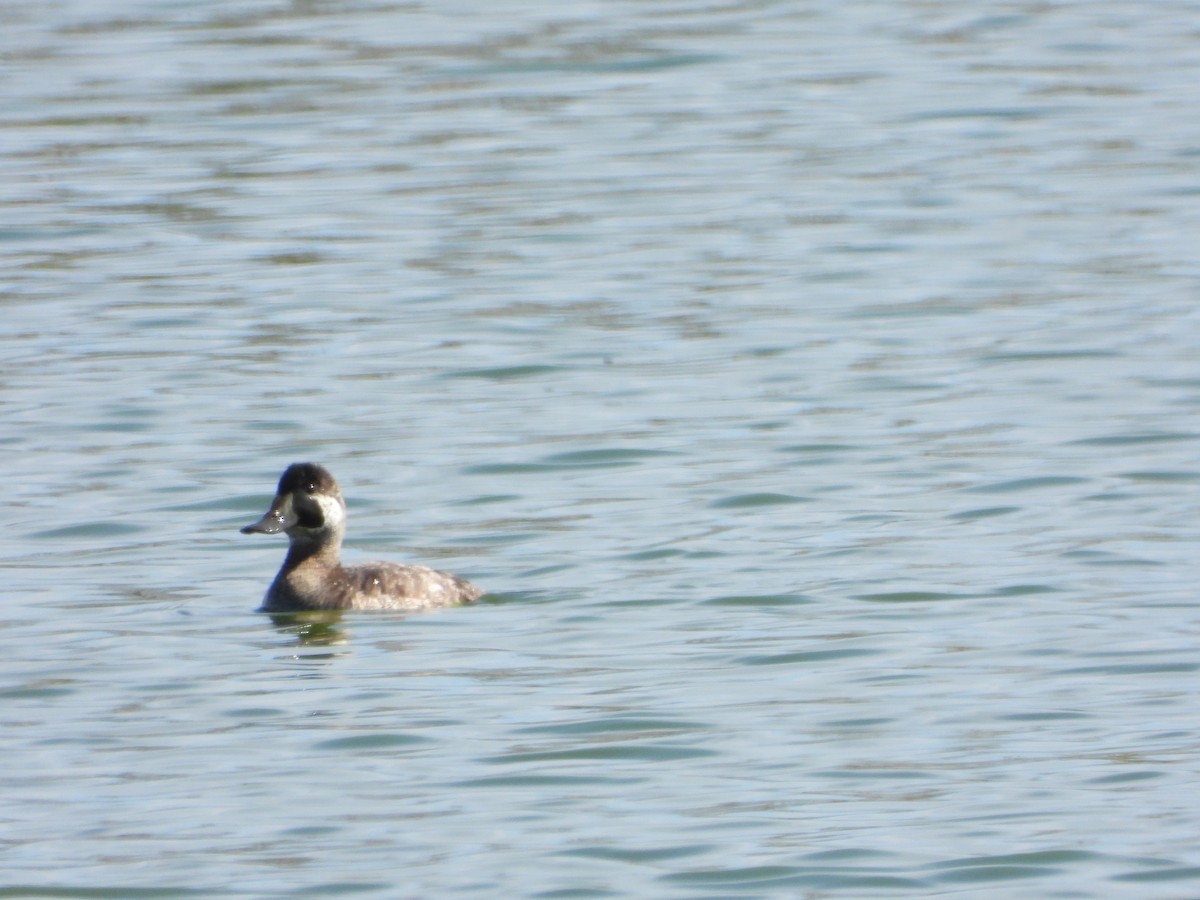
(814, 386)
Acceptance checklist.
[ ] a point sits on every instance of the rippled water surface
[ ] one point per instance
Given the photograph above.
(814, 387)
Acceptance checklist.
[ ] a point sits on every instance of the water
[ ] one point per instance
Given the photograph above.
(814, 387)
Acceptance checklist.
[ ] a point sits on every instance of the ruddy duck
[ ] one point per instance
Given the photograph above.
(308, 506)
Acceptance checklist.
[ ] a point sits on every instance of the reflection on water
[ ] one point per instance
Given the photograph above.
(314, 628)
(816, 382)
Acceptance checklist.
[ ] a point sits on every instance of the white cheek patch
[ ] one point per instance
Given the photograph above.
(331, 511)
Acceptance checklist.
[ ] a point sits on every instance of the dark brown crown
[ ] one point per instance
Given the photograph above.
(307, 477)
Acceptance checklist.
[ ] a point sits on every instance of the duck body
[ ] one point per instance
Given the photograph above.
(309, 508)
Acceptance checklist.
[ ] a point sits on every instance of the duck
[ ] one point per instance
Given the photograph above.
(309, 508)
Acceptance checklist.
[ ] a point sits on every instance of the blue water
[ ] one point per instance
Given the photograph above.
(814, 388)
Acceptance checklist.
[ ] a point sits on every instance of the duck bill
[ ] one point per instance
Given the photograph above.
(280, 517)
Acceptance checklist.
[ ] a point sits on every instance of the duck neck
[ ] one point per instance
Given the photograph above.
(323, 549)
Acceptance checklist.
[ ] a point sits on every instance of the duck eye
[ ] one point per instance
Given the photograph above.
(311, 487)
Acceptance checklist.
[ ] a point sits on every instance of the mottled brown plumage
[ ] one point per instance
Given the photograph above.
(308, 506)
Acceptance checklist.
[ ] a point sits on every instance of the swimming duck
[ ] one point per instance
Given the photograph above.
(308, 506)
